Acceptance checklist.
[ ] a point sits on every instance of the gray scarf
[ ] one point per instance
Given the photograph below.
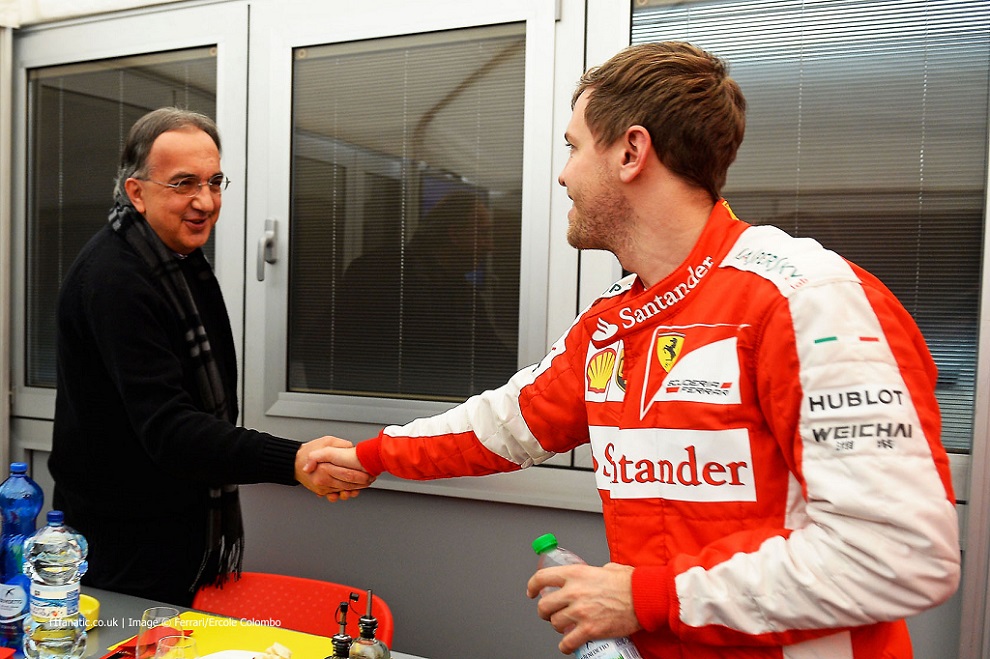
(225, 530)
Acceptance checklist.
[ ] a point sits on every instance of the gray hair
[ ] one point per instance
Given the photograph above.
(144, 132)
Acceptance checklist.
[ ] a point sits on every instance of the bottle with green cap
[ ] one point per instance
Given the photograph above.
(550, 555)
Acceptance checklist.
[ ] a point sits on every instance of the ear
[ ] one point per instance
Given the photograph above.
(636, 149)
(135, 191)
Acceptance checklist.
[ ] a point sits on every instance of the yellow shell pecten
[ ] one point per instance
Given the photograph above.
(600, 370)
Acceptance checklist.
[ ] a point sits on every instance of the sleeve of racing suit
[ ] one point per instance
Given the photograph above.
(871, 532)
(524, 422)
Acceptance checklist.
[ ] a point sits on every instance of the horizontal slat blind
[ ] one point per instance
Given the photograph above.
(866, 129)
(78, 118)
(406, 214)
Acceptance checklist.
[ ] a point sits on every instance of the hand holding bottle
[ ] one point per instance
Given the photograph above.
(582, 602)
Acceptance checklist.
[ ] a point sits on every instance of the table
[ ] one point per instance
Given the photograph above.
(120, 618)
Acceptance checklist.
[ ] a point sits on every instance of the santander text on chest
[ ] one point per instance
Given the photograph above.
(689, 471)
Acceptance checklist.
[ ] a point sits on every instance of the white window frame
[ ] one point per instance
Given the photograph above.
(974, 489)
(554, 47)
(6, 249)
(133, 33)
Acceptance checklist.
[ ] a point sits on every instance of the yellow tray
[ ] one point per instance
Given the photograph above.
(217, 633)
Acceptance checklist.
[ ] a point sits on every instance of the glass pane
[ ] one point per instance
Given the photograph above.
(866, 129)
(78, 120)
(405, 214)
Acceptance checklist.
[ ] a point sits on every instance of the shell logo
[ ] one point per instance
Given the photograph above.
(600, 369)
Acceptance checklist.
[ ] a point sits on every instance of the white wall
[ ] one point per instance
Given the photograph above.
(29, 12)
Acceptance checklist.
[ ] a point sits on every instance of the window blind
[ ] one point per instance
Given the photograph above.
(78, 119)
(867, 130)
(406, 214)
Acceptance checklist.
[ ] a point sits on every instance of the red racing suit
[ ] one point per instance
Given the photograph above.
(766, 445)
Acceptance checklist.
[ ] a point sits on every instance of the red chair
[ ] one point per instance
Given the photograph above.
(305, 605)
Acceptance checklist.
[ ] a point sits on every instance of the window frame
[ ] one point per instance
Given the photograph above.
(136, 33)
(276, 33)
(548, 269)
(332, 347)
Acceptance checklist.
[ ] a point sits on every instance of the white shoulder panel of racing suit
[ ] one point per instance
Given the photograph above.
(867, 544)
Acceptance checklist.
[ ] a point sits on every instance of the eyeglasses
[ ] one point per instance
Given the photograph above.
(190, 186)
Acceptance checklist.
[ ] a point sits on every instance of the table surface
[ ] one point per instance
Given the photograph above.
(120, 618)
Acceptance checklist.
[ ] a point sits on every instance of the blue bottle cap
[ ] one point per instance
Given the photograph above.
(18, 467)
(55, 517)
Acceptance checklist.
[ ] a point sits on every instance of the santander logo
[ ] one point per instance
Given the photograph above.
(605, 331)
(630, 317)
(674, 464)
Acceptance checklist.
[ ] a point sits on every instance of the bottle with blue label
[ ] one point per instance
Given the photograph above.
(612, 648)
(21, 499)
(55, 561)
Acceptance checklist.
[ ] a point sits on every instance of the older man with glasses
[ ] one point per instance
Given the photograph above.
(146, 455)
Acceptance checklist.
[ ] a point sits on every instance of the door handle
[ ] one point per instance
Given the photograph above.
(267, 247)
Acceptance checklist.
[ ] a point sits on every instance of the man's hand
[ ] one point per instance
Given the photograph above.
(325, 478)
(343, 456)
(592, 603)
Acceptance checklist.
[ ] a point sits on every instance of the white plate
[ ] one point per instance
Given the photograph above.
(231, 654)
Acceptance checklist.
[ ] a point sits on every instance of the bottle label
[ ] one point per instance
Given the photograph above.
(13, 602)
(54, 602)
(612, 648)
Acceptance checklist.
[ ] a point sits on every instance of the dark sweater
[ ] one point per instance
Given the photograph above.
(133, 452)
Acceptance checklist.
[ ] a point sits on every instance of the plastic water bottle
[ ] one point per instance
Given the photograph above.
(55, 560)
(366, 646)
(550, 555)
(21, 500)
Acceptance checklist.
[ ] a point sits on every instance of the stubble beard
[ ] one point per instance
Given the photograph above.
(601, 223)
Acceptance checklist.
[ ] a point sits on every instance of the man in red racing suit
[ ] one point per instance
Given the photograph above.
(766, 446)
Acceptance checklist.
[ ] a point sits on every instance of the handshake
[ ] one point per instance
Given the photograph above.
(329, 467)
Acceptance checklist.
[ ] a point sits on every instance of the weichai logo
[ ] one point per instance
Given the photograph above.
(872, 416)
(679, 465)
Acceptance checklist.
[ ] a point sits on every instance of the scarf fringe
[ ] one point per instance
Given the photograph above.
(224, 557)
